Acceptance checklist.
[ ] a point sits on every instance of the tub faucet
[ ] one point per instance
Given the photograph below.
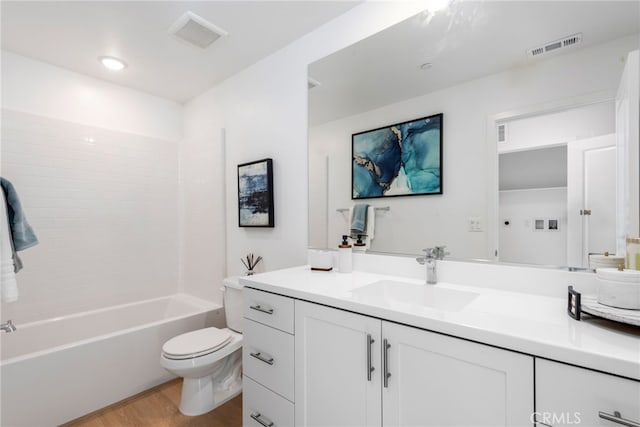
(8, 327)
(429, 260)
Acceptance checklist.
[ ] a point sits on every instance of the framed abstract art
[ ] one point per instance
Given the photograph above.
(403, 159)
(255, 194)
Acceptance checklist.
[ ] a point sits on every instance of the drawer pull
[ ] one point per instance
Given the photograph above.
(617, 418)
(259, 418)
(261, 358)
(385, 363)
(257, 307)
(370, 368)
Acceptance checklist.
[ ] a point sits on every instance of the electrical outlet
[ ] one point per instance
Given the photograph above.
(475, 224)
(538, 224)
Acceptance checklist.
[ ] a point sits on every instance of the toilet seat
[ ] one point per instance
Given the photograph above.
(196, 343)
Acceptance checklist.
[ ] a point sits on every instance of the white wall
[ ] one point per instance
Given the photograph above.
(203, 188)
(105, 211)
(263, 110)
(407, 227)
(560, 127)
(41, 89)
(519, 242)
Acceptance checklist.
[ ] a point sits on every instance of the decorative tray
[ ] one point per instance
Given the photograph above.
(591, 305)
(578, 304)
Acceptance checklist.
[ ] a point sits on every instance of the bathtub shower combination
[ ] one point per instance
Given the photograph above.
(56, 370)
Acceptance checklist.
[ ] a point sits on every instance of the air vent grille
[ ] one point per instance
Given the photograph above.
(565, 42)
(196, 31)
(502, 133)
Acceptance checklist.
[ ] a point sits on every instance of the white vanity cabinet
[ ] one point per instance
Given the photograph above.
(437, 380)
(332, 382)
(267, 359)
(356, 370)
(567, 396)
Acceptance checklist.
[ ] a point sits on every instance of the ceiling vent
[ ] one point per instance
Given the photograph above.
(555, 45)
(196, 31)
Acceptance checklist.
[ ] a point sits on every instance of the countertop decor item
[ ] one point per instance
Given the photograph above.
(255, 194)
(633, 253)
(320, 260)
(605, 260)
(619, 287)
(591, 305)
(345, 256)
(250, 262)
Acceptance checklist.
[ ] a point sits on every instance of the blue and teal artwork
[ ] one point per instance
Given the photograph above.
(403, 159)
(255, 194)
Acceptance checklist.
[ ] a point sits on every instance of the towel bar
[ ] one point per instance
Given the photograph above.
(383, 208)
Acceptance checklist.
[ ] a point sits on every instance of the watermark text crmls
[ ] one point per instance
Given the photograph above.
(556, 418)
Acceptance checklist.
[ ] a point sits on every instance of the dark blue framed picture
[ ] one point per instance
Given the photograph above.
(403, 159)
(255, 194)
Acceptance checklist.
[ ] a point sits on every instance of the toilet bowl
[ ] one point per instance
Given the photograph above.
(209, 359)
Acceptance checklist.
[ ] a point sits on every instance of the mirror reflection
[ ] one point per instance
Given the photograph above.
(530, 94)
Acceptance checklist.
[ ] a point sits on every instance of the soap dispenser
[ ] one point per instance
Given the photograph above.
(359, 245)
(345, 263)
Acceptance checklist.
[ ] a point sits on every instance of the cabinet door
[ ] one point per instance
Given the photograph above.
(437, 380)
(567, 395)
(332, 385)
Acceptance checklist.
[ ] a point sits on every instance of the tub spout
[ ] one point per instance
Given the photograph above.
(8, 327)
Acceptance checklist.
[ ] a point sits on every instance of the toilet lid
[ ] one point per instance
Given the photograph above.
(196, 343)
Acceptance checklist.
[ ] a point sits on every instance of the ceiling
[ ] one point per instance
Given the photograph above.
(466, 41)
(72, 34)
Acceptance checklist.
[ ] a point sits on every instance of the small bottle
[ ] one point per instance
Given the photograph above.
(345, 263)
(633, 253)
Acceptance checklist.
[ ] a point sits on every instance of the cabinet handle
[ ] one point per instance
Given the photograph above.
(370, 368)
(257, 307)
(617, 418)
(385, 362)
(259, 418)
(261, 358)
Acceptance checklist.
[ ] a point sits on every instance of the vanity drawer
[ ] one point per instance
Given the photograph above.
(268, 357)
(269, 309)
(568, 395)
(267, 408)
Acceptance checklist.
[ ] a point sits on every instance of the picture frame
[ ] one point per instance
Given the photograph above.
(574, 307)
(255, 194)
(402, 159)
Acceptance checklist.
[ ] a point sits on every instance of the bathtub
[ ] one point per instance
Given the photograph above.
(56, 370)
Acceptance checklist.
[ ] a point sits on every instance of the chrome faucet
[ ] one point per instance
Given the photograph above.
(429, 260)
(8, 327)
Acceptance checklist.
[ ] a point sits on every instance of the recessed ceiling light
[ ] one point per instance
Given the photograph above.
(112, 63)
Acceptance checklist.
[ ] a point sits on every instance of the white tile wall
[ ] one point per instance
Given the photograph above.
(105, 213)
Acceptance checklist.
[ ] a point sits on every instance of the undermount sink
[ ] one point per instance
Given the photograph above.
(414, 294)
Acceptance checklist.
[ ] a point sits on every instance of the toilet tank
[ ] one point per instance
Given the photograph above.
(233, 303)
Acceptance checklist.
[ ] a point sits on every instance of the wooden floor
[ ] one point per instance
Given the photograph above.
(159, 407)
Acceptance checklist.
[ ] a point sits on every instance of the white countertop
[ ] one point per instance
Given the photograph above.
(528, 323)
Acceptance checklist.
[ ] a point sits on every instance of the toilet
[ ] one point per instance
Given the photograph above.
(209, 359)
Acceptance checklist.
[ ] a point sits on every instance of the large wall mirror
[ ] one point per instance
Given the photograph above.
(537, 129)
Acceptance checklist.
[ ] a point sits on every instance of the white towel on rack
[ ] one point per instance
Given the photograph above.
(8, 284)
(371, 224)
